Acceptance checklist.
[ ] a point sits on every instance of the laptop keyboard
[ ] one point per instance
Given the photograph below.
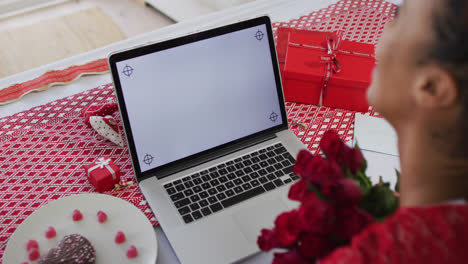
(232, 182)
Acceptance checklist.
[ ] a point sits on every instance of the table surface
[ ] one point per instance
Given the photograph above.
(278, 10)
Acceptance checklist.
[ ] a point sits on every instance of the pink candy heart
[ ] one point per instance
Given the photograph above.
(102, 217)
(77, 216)
(33, 254)
(119, 237)
(50, 232)
(32, 244)
(132, 252)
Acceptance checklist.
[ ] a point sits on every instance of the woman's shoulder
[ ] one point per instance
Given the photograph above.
(435, 234)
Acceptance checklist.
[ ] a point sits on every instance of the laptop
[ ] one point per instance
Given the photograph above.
(207, 131)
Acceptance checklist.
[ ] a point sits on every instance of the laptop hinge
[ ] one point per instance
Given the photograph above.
(211, 156)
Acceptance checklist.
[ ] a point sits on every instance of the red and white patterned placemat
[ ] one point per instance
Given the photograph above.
(42, 149)
(361, 20)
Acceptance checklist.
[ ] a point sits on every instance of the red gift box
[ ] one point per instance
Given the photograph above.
(323, 69)
(103, 174)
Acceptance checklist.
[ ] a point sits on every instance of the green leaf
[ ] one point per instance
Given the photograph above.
(397, 185)
(356, 146)
(364, 182)
(337, 241)
(365, 179)
(382, 183)
(317, 192)
(364, 161)
(364, 165)
(348, 173)
(380, 201)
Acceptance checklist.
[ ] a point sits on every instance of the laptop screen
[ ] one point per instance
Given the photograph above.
(194, 97)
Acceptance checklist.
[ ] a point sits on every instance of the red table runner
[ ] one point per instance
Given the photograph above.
(42, 149)
(14, 92)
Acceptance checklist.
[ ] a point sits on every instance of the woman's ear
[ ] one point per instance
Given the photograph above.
(435, 88)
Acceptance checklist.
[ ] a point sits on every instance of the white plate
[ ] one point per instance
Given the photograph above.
(121, 215)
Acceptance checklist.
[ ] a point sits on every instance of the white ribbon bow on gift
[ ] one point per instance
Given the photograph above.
(101, 163)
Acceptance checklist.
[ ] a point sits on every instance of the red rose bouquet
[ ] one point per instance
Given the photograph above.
(337, 201)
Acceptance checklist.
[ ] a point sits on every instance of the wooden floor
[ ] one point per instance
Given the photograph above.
(31, 46)
(58, 32)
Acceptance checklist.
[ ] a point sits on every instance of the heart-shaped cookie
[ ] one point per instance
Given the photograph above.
(72, 249)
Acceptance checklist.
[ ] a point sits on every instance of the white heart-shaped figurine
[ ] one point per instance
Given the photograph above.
(107, 127)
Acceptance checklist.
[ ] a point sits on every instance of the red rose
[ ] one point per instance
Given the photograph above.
(356, 161)
(344, 192)
(331, 144)
(303, 158)
(334, 171)
(319, 170)
(351, 158)
(316, 215)
(344, 155)
(290, 257)
(287, 228)
(315, 246)
(351, 221)
(268, 240)
(315, 169)
(335, 149)
(299, 191)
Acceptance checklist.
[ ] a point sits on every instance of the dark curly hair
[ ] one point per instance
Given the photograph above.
(449, 49)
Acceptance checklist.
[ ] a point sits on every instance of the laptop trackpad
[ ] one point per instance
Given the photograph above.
(262, 215)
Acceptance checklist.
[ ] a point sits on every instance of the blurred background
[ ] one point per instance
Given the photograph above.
(38, 32)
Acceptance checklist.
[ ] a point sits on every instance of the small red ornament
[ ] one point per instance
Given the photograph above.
(123, 184)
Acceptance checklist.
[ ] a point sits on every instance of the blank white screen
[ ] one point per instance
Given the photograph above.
(184, 100)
